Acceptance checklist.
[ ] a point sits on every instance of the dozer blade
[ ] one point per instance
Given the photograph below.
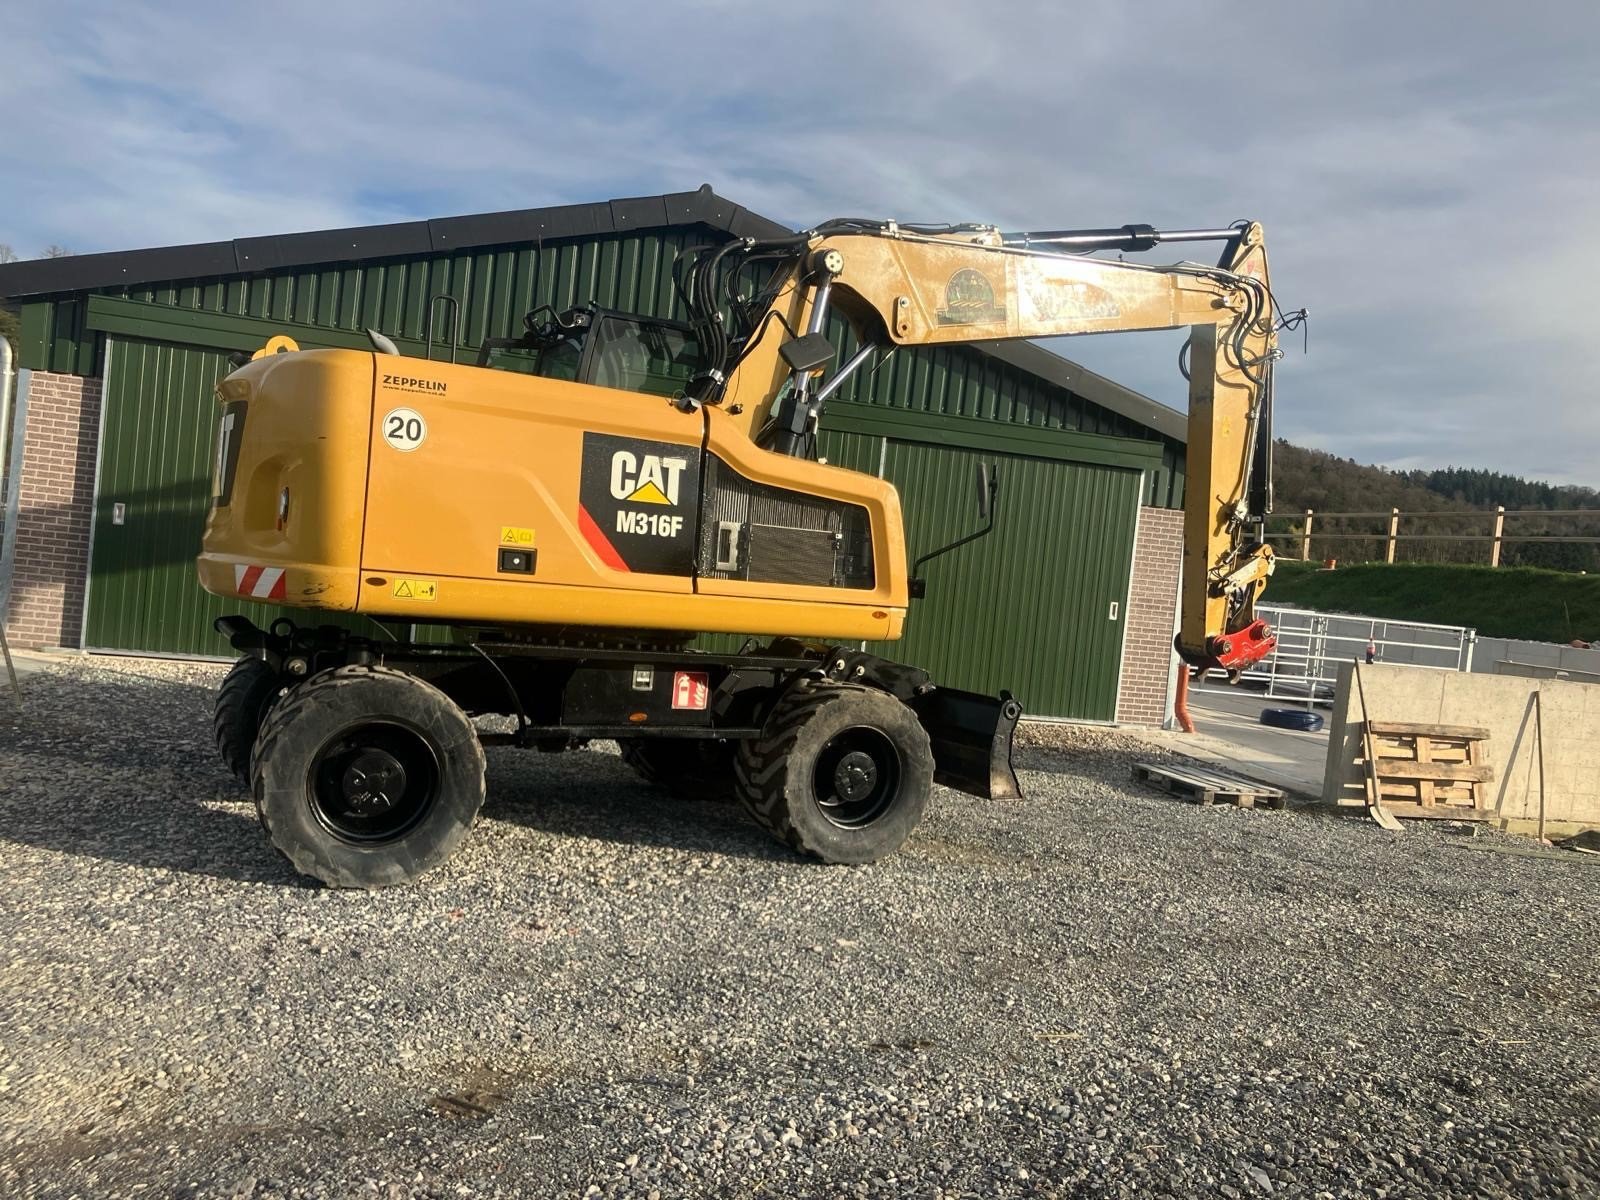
(971, 736)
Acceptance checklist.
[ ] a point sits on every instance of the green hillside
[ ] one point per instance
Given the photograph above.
(1512, 602)
(1306, 478)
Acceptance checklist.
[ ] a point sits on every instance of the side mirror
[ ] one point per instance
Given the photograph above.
(986, 489)
(807, 353)
(382, 344)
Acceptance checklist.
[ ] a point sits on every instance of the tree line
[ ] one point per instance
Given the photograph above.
(1327, 483)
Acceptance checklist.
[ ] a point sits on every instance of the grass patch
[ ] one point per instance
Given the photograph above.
(1509, 602)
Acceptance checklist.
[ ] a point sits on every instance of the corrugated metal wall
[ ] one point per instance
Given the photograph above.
(494, 288)
(1038, 605)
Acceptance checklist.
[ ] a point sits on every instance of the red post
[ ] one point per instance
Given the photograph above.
(1180, 701)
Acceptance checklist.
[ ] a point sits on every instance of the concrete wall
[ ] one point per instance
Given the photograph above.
(1504, 704)
(1507, 656)
(1147, 654)
(55, 500)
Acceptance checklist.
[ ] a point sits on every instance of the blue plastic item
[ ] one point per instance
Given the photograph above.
(1292, 718)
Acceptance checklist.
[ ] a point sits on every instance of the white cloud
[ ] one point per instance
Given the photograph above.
(1426, 172)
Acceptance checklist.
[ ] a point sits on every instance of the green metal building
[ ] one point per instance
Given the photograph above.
(111, 471)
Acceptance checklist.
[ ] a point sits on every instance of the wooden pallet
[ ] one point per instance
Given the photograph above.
(1431, 770)
(1206, 786)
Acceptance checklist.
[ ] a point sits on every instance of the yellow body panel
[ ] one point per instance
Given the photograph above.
(410, 528)
(502, 449)
(314, 445)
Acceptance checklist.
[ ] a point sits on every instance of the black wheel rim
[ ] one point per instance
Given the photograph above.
(857, 777)
(373, 782)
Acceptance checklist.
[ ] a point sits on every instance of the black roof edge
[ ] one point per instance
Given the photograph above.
(442, 235)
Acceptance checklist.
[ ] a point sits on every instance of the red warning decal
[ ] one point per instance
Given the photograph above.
(691, 689)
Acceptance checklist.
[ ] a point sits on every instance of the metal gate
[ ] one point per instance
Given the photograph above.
(1312, 644)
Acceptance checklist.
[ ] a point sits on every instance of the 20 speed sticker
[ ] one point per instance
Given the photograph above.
(416, 589)
(404, 429)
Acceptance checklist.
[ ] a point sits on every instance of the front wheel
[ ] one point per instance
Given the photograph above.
(366, 776)
(840, 772)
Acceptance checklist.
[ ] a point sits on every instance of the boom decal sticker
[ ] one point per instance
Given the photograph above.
(969, 300)
(638, 503)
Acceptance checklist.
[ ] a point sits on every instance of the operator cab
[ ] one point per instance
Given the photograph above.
(602, 347)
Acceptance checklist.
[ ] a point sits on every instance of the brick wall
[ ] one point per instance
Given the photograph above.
(54, 503)
(1152, 608)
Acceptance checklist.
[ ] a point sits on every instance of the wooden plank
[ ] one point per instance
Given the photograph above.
(1414, 729)
(1201, 778)
(1397, 768)
(1443, 812)
(1409, 789)
(1375, 808)
(1424, 752)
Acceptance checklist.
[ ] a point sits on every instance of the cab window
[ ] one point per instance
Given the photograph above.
(643, 356)
(612, 350)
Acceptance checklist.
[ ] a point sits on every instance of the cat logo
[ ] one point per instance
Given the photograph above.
(646, 478)
(636, 503)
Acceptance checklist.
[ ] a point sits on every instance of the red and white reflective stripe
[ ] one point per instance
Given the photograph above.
(261, 583)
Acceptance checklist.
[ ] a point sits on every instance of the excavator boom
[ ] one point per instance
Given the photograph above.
(906, 286)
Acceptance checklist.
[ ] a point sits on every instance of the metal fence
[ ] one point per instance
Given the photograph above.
(1312, 644)
(1365, 535)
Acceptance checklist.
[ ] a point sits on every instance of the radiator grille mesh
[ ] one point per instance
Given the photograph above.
(749, 530)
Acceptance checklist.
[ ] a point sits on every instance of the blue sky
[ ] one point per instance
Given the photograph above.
(1428, 173)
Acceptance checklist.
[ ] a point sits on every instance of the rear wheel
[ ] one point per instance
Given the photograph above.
(249, 689)
(688, 768)
(366, 776)
(840, 772)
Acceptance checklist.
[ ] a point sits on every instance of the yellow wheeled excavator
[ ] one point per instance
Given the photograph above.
(592, 494)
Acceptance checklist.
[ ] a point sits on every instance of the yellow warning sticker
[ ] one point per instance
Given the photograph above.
(416, 589)
(514, 535)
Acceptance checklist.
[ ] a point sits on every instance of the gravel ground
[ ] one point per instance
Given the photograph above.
(1098, 991)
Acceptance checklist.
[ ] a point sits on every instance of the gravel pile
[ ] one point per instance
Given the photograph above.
(1099, 991)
